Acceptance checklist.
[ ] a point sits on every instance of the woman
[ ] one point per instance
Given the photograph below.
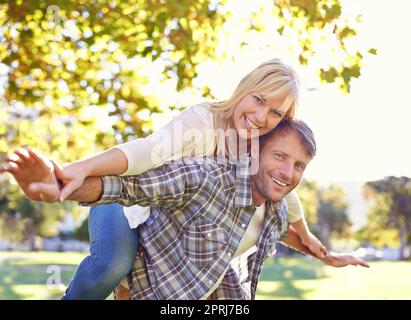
(261, 100)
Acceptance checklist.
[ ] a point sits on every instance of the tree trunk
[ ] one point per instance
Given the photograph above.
(403, 241)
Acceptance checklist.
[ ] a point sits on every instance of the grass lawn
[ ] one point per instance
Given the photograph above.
(32, 275)
(306, 278)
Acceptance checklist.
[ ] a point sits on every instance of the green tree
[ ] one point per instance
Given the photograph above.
(69, 61)
(308, 193)
(310, 20)
(376, 231)
(325, 210)
(81, 233)
(22, 219)
(333, 221)
(389, 216)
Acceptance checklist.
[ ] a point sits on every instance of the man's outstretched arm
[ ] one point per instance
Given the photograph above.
(293, 241)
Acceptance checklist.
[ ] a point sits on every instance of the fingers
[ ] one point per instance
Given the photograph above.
(47, 192)
(363, 264)
(318, 250)
(10, 167)
(35, 155)
(323, 251)
(357, 262)
(318, 253)
(20, 157)
(58, 170)
(67, 190)
(4, 168)
(24, 156)
(13, 158)
(39, 159)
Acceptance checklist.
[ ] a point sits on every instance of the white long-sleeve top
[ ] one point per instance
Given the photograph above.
(190, 134)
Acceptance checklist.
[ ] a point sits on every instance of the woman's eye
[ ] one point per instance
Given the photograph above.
(276, 113)
(258, 99)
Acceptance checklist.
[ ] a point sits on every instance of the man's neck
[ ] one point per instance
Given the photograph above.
(257, 198)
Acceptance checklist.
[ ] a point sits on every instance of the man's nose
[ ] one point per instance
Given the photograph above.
(286, 171)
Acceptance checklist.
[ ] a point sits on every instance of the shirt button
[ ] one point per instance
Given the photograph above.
(243, 225)
(210, 281)
(209, 235)
(229, 254)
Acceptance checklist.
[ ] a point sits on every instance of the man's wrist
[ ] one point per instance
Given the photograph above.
(90, 191)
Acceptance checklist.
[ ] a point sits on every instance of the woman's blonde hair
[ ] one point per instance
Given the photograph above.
(272, 79)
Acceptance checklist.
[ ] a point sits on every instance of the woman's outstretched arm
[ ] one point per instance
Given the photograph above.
(181, 136)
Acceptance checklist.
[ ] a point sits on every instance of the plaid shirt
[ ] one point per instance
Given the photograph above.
(200, 210)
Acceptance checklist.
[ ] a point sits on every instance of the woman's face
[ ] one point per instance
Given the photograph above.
(254, 115)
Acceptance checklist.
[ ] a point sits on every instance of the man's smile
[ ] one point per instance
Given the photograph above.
(279, 182)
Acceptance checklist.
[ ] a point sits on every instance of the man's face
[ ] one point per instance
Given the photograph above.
(281, 167)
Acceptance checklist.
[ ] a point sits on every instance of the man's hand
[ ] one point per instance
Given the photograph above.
(34, 173)
(343, 260)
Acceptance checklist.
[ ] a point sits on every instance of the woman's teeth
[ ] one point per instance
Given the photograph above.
(251, 124)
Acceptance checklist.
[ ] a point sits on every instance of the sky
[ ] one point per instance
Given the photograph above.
(361, 136)
(364, 135)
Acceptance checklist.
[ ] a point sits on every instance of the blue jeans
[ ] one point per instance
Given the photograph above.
(113, 247)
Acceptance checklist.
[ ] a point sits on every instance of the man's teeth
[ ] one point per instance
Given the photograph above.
(283, 184)
(251, 124)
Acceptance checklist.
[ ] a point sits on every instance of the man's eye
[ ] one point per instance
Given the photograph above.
(300, 167)
(279, 156)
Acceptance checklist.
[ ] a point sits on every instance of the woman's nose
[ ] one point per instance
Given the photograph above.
(261, 116)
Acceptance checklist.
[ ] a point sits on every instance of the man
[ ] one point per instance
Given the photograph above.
(212, 224)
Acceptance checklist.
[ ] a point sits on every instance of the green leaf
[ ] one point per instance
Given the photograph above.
(372, 51)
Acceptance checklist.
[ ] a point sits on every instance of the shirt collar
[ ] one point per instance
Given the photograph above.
(243, 195)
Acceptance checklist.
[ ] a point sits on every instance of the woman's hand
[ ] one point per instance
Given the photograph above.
(315, 246)
(109, 162)
(71, 176)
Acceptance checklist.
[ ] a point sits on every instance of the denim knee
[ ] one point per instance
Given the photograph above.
(118, 264)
